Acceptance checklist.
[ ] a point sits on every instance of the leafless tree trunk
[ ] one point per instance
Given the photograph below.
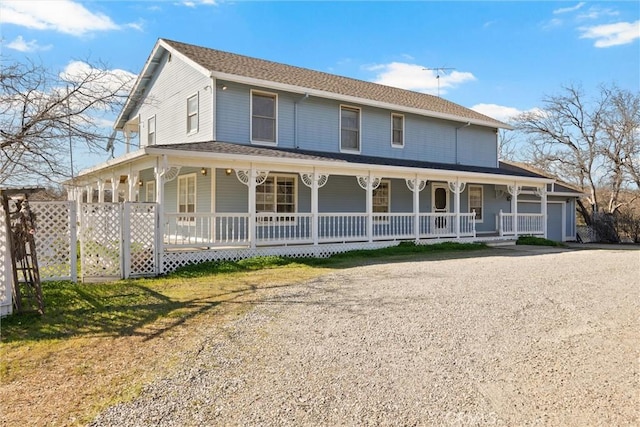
(44, 115)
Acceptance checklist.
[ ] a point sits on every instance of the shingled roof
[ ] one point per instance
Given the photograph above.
(217, 61)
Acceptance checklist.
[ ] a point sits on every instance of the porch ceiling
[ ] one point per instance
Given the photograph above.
(217, 149)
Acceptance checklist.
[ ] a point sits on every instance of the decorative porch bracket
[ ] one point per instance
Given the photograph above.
(457, 187)
(541, 191)
(411, 184)
(170, 173)
(514, 190)
(364, 183)
(245, 175)
(309, 178)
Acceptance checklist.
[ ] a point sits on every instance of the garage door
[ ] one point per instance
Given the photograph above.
(555, 220)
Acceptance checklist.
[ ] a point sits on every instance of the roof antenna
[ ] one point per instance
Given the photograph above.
(439, 70)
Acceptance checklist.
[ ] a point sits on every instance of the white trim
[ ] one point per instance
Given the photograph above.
(481, 187)
(351, 107)
(275, 130)
(393, 144)
(197, 114)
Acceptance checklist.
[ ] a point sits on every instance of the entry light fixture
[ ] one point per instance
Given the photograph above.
(228, 171)
(203, 171)
(140, 183)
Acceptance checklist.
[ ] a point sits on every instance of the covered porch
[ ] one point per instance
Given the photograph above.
(203, 193)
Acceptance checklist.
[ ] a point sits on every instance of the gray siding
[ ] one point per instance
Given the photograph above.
(314, 124)
(203, 192)
(166, 98)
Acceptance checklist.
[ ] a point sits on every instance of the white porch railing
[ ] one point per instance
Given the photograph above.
(206, 229)
(232, 229)
(526, 224)
(283, 228)
(444, 225)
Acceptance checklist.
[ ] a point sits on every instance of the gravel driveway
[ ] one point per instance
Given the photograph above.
(516, 336)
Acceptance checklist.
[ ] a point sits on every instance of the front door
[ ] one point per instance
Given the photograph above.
(440, 203)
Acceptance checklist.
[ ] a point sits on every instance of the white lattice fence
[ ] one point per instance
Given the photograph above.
(56, 240)
(173, 260)
(140, 228)
(6, 280)
(100, 238)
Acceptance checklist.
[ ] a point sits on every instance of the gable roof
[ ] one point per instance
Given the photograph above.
(560, 186)
(234, 67)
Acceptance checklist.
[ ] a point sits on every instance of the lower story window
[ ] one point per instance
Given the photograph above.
(381, 201)
(277, 194)
(187, 195)
(475, 201)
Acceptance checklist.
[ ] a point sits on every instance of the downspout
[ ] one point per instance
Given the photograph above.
(456, 148)
(295, 120)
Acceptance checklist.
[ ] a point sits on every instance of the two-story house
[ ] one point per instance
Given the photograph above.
(240, 152)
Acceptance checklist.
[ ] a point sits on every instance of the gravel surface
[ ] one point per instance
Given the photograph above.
(519, 336)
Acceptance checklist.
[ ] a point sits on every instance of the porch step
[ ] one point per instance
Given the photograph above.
(497, 243)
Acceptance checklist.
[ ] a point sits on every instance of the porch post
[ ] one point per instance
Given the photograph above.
(315, 181)
(100, 185)
(159, 172)
(514, 191)
(252, 207)
(370, 207)
(115, 182)
(132, 180)
(543, 206)
(416, 185)
(457, 187)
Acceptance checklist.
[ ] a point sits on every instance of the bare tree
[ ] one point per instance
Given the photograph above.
(43, 116)
(588, 142)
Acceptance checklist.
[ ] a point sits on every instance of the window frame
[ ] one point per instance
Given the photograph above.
(275, 199)
(382, 219)
(186, 177)
(151, 120)
(275, 118)
(395, 144)
(150, 186)
(359, 129)
(470, 208)
(190, 130)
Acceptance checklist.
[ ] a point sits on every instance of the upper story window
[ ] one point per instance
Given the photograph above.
(475, 201)
(263, 117)
(397, 130)
(277, 194)
(192, 114)
(151, 131)
(349, 128)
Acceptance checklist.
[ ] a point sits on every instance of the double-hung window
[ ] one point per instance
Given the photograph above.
(263, 117)
(151, 130)
(187, 196)
(397, 130)
(349, 128)
(381, 201)
(150, 195)
(277, 194)
(475, 201)
(192, 113)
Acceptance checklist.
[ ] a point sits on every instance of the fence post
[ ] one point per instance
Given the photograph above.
(73, 240)
(125, 247)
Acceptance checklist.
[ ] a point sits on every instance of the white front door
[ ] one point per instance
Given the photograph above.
(440, 204)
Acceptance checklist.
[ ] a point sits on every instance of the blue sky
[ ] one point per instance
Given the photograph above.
(504, 56)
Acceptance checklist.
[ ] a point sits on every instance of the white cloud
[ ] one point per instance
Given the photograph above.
(568, 9)
(107, 80)
(194, 3)
(612, 34)
(501, 112)
(552, 23)
(21, 45)
(418, 78)
(597, 12)
(64, 16)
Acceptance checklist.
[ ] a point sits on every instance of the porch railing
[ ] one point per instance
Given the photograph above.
(232, 229)
(526, 224)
